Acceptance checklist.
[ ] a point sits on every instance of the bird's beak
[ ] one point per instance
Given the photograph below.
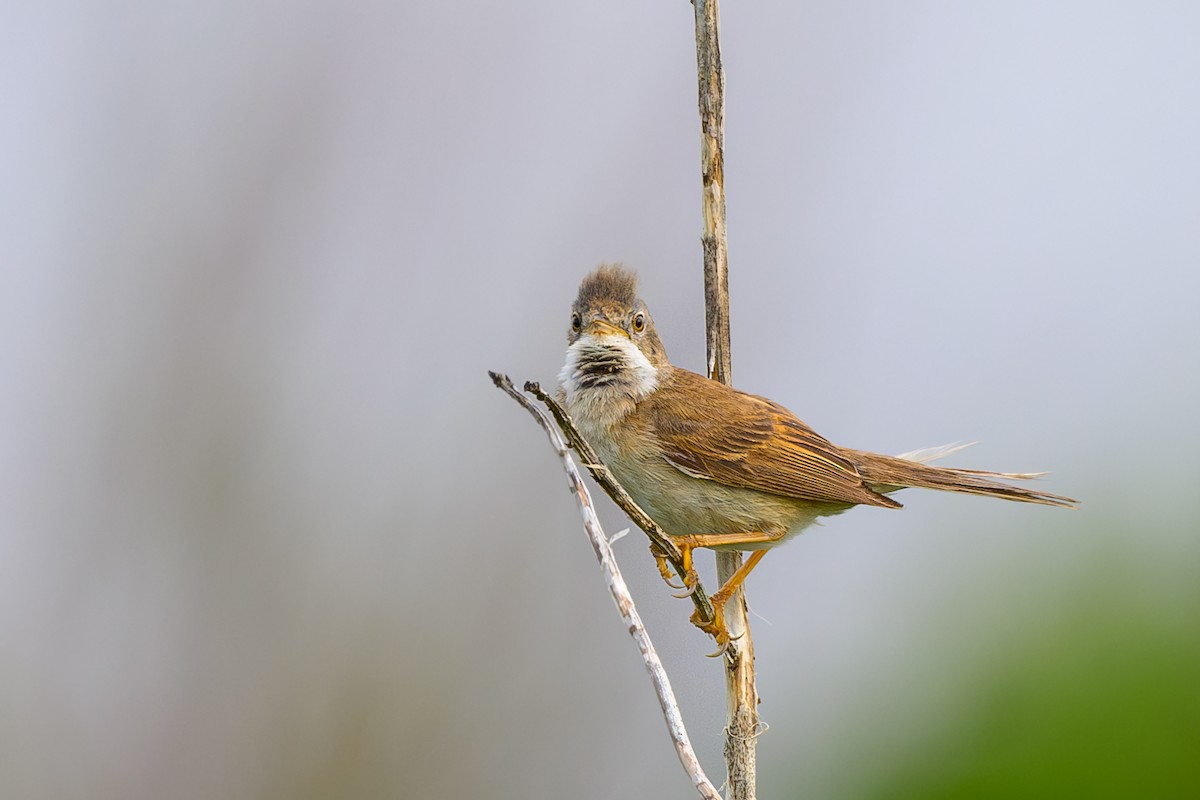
(599, 327)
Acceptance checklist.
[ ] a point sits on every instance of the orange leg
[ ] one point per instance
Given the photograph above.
(737, 578)
(725, 539)
(716, 627)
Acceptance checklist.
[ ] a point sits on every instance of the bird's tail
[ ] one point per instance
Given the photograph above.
(890, 473)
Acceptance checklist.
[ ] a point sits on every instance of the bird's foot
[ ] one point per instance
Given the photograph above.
(664, 569)
(690, 579)
(714, 628)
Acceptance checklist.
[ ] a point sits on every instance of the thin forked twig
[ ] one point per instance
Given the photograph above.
(661, 541)
(620, 594)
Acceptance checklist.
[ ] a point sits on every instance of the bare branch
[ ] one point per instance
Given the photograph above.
(619, 496)
(620, 595)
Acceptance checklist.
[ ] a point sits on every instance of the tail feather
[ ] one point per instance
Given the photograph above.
(890, 473)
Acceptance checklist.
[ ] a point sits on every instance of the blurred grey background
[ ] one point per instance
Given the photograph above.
(268, 531)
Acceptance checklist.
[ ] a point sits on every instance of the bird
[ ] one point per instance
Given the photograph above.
(716, 467)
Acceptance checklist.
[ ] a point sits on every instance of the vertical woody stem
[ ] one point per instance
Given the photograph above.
(711, 78)
(741, 695)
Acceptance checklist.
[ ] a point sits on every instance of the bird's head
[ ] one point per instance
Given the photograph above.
(611, 338)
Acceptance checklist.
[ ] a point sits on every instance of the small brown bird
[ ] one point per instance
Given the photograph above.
(715, 467)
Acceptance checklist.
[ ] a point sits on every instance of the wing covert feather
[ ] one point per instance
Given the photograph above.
(750, 442)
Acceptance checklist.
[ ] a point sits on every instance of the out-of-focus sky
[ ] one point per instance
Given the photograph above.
(266, 529)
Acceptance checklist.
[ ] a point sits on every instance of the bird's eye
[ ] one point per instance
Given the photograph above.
(576, 322)
(639, 323)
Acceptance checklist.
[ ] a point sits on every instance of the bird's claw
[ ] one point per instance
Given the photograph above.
(720, 651)
(689, 590)
(714, 628)
(690, 581)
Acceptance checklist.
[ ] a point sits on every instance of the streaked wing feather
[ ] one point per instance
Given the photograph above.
(750, 442)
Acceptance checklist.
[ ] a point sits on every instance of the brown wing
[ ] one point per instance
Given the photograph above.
(743, 440)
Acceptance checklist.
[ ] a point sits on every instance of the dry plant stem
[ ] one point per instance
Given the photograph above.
(711, 78)
(621, 597)
(619, 496)
(742, 726)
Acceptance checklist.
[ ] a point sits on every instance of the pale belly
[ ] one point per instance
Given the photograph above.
(684, 505)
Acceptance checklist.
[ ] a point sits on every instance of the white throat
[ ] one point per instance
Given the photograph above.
(603, 377)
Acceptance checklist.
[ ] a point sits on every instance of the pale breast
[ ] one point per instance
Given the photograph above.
(683, 504)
